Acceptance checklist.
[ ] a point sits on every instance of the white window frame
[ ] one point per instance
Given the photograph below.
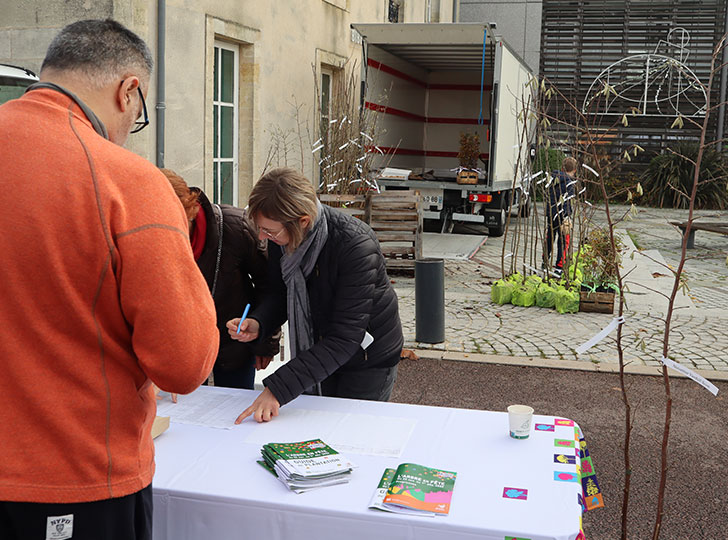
(325, 70)
(325, 126)
(217, 161)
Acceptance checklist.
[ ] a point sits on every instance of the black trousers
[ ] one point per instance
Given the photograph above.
(373, 384)
(242, 377)
(123, 518)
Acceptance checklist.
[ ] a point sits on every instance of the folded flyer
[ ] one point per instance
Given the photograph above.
(415, 489)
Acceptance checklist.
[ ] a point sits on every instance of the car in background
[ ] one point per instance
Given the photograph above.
(13, 81)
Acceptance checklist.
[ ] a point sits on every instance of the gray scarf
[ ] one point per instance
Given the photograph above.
(295, 268)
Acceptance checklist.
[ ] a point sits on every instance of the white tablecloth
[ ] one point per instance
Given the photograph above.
(208, 485)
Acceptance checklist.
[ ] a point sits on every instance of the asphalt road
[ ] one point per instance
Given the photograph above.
(696, 500)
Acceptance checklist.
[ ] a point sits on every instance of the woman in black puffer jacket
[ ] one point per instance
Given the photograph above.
(328, 279)
(233, 262)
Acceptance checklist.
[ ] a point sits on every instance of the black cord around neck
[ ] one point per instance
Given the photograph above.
(97, 124)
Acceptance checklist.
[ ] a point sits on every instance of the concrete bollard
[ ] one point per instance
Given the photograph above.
(430, 300)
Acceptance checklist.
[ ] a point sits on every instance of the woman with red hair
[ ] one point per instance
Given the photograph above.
(234, 264)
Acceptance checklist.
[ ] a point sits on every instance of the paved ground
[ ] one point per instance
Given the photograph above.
(475, 326)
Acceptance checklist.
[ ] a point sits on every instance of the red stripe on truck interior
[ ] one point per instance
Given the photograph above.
(419, 118)
(415, 152)
(395, 72)
(409, 78)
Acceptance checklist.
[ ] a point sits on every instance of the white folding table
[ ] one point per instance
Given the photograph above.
(208, 485)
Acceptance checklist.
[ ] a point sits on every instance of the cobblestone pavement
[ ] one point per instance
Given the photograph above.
(705, 266)
(698, 339)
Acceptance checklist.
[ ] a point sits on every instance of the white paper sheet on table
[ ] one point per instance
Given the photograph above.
(218, 409)
(349, 433)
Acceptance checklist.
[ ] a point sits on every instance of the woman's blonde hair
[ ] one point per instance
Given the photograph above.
(285, 195)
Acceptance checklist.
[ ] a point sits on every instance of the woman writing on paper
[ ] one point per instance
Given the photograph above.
(233, 263)
(328, 279)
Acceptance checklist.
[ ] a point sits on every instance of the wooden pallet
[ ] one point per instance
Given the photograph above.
(354, 205)
(395, 217)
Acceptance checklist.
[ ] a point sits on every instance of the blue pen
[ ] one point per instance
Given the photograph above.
(245, 314)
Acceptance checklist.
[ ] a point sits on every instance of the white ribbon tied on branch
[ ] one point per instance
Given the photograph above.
(616, 321)
(702, 381)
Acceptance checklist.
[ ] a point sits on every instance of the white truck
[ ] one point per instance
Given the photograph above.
(13, 81)
(428, 83)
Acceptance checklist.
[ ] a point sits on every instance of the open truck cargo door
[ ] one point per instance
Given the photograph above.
(427, 84)
(511, 78)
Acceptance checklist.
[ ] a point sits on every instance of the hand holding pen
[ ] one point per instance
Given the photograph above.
(245, 315)
(243, 329)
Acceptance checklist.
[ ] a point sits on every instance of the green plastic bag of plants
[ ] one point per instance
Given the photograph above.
(501, 292)
(567, 301)
(533, 280)
(576, 274)
(516, 278)
(523, 296)
(545, 296)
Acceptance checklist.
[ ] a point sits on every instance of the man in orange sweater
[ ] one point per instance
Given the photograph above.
(101, 295)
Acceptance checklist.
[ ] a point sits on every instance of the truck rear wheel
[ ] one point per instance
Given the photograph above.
(495, 232)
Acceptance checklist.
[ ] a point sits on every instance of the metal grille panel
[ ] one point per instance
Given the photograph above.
(581, 38)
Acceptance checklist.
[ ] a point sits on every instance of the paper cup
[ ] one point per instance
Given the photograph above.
(519, 421)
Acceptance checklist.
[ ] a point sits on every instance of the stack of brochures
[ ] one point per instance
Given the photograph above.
(415, 489)
(306, 465)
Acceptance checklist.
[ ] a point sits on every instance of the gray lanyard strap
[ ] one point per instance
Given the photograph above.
(218, 215)
(97, 124)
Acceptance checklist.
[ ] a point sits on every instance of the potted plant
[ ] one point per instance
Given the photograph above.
(468, 156)
(599, 263)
